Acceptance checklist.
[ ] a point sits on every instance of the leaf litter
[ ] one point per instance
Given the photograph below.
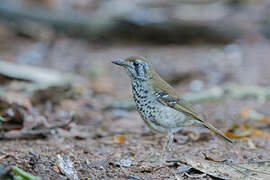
(66, 167)
(229, 170)
(99, 131)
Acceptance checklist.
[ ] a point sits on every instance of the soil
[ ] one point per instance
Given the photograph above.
(114, 143)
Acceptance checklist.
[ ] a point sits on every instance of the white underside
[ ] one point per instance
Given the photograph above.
(166, 119)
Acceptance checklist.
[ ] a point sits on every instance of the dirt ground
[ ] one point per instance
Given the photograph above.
(94, 140)
(89, 127)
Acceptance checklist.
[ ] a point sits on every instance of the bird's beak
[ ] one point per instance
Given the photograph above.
(120, 63)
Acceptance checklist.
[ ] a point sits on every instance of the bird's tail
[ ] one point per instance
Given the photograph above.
(217, 131)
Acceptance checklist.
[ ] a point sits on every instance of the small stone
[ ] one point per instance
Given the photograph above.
(123, 162)
(183, 168)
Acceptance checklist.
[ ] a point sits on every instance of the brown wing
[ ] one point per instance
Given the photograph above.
(166, 95)
(178, 104)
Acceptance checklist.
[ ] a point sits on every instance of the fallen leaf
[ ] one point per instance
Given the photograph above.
(65, 165)
(247, 131)
(119, 139)
(233, 135)
(228, 170)
(264, 120)
(245, 112)
(260, 133)
(208, 157)
(249, 113)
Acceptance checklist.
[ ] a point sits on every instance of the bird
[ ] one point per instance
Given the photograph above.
(159, 106)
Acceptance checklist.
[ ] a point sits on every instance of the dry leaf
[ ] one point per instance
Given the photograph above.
(249, 113)
(119, 139)
(241, 135)
(209, 158)
(227, 170)
(259, 133)
(245, 112)
(264, 120)
(65, 165)
(248, 131)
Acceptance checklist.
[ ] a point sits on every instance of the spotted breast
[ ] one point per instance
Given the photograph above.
(154, 114)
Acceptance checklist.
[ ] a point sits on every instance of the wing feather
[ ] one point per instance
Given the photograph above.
(166, 95)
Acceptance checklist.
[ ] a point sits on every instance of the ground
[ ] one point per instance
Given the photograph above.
(113, 143)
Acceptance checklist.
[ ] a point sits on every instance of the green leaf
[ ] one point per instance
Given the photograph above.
(234, 126)
(2, 119)
(22, 175)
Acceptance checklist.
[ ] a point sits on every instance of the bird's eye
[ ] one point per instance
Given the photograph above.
(136, 64)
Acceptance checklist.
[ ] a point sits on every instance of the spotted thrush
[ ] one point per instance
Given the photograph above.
(159, 106)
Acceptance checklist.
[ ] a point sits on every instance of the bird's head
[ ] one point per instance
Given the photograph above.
(138, 68)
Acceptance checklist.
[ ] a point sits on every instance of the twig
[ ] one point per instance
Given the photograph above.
(36, 134)
(41, 77)
(65, 125)
(5, 156)
(28, 134)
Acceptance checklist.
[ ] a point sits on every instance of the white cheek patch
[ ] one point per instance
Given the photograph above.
(141, 71)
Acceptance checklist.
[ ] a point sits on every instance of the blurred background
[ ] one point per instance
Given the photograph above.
(55, 62)
(221, 41)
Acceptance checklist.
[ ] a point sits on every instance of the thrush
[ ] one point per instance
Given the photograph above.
(161, 109)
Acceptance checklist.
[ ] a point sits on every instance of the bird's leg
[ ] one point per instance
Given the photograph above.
(170, 141)
(167, 146)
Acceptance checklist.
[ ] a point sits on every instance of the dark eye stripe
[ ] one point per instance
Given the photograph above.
(136, 63)
(137, 69)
